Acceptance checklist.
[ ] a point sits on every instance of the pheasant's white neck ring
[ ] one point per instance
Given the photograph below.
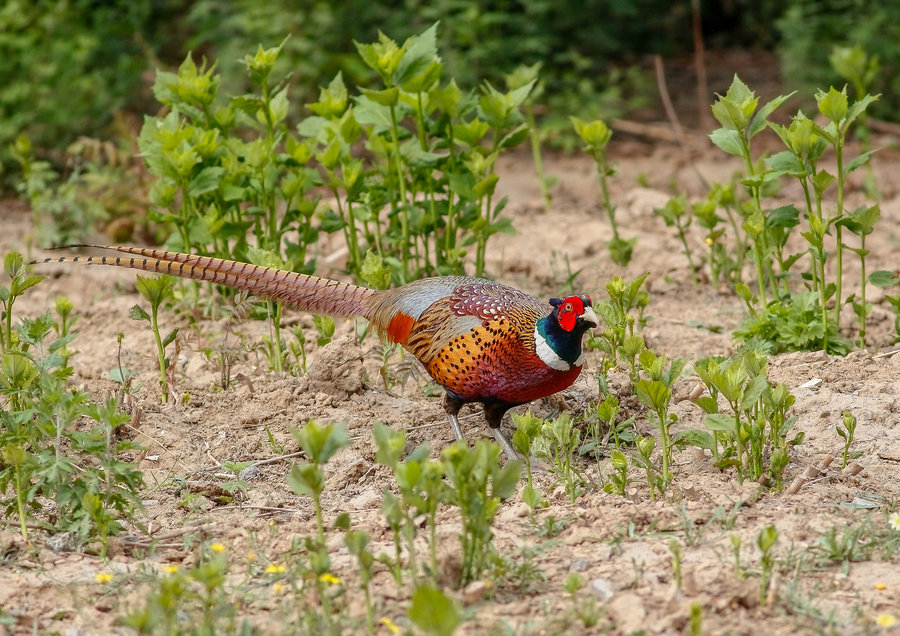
(549, 357)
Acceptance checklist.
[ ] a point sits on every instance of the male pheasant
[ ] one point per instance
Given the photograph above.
(482, 341)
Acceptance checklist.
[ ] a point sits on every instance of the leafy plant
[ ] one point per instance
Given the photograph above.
(477, 485)
(157, 290)
(45, 454)
(528, 429)
(596, 135)
(765, 541)
(558, 443)
(783, 321)
(847, 430)
(753, 437)
(319, 443)
(675, 214)
(655, 392)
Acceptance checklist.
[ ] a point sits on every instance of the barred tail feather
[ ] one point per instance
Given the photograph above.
(308, 293)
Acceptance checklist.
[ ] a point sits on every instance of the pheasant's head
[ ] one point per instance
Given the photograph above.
(557, 337)
(575, 314)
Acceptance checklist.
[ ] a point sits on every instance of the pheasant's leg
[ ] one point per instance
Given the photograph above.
(493, 414)
(507, 447)
(452, 406)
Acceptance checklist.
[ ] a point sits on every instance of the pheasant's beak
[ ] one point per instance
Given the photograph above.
(590, 316)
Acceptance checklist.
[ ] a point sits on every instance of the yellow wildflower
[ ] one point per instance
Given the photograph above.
(217, 547)
(886, 620)
(251, 556)
(329, 578)
(103, 577)
(278, 588)
(390, 625)
(274, 568)
(880, 586)
(171, 569)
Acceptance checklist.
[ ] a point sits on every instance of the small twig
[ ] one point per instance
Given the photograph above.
(673, 118)
(885, 354)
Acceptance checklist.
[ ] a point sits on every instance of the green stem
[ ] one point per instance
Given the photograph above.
(160, 352)
(862, 293)
(536, 156)
(401, 183)
(838, 234)
(274, 310)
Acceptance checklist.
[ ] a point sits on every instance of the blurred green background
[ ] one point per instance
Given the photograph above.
(83, 68)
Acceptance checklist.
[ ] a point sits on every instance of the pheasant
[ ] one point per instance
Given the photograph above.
(482, 341)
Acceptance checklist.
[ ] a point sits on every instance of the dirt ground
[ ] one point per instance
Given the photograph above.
(619, 545)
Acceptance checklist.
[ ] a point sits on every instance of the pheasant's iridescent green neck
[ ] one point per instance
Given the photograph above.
(559, 349)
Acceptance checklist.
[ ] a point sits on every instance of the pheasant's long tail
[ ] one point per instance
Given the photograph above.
(309, 293)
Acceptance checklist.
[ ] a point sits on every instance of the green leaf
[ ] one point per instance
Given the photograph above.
(721, 423)
(434, 612)
(884, 279)
(321, 442)
(205, 181)
(170, 338)
(759, 120)
(728, 140)
(306, 479)
(859, 160)
(138, 313)
(506, 480)
(694, 437)
(833, 104)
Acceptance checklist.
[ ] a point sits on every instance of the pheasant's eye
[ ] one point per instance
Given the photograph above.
(567, 307)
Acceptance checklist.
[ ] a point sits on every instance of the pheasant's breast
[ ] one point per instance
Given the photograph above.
(493, 361)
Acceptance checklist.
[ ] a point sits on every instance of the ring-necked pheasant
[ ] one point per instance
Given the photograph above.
(481, 340)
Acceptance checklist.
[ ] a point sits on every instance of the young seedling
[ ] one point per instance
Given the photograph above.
(319, 443)
(618, 481)
(655, 392)
(19, 282)
(477, 485)
(675, 214)
(595, 136)
(558, 443)
(157, 290)
(766, 540)
(522, 76)
(358, 545)
(737, 112)
(846, 430)
(528, 428)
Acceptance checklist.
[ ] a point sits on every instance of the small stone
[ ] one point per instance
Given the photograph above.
(249, 473)
(579, 565)
(474, 592)
(603, 589)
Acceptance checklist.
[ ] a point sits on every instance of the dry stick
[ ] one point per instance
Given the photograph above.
(673, 118)
(811, 472)
(700, 66)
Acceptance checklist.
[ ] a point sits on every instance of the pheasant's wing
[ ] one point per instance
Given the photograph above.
(473, 304)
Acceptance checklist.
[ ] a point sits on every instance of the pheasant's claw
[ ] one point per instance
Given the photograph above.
(507, 447)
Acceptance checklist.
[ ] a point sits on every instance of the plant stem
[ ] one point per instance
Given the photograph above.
(160, 351)
(838, 234)
(401, 183)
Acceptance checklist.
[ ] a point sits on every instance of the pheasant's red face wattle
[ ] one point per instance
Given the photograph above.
(569, 310)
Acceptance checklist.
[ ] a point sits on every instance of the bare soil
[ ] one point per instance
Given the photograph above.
(619, 545)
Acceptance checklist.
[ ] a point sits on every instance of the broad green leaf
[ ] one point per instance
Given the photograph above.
(728, 140)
